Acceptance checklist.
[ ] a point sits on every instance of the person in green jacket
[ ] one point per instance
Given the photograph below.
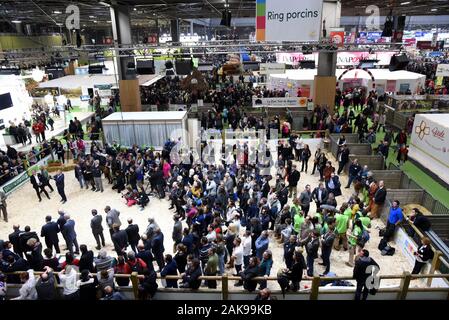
(298, 220)
(353, 236)
(341, 226)
(211, 267)
(295, 208)
(366, 221)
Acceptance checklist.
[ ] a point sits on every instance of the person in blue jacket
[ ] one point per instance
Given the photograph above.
(262, 244)
(170, 269)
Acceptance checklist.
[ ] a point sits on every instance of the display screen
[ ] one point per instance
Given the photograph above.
(5, 101)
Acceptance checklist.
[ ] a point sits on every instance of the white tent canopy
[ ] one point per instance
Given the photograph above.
(145, 128)
(78, 81)
(88, 81)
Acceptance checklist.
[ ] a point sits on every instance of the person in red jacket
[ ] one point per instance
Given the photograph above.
(41, 129)
(134, 264)
(402, 154)
(36, 132)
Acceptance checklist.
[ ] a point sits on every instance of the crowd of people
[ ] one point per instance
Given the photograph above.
(228, 217)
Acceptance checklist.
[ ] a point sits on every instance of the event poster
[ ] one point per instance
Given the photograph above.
(429, 143)
(391, 86)
(280, 20)
(442, 70)
(403, 87)
(305, 90)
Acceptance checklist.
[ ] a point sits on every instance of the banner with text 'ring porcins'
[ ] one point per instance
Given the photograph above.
(288, 20)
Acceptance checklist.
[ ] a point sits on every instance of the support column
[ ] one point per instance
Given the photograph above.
(174, 30)
(125, 66)
(158, 32)
(324, 84)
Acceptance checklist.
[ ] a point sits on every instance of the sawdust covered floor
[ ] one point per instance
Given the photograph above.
(24, 209)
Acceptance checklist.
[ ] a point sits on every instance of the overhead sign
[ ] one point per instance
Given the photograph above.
(343, 58)
(104, 90)
(288, 20)
(272, 68)
(293, 102)
(442, 70)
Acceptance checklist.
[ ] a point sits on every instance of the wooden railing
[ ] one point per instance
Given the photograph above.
(313, 291)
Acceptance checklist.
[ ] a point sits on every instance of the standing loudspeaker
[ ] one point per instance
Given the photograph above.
(398, 62)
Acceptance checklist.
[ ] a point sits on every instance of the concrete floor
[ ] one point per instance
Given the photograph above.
(24, 209)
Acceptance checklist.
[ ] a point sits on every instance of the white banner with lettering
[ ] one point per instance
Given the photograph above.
(293, 102)
(272, 68)
(343, 58)
(442, 70)
(429, 143)
(292, 20)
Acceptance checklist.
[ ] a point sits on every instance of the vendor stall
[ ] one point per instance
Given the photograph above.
(381, 80)
(145, 128)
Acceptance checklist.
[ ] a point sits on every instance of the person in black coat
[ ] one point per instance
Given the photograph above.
(119, 239)
(12, 265)
(293, 180)
(327, 242)
(148, 287)
(296, 270)
(420, 221)
(97, 228)
(86, 259)
(320, 195)
(59, 179)
(312, 245)
(34, 256)
(87, 286)
(50, 232)
(190, 279)
(333, 185)
(289, 250)
(249, 274)
(360, 273)
(37, 180)
(343, 158)
(133, 234)
(422, 255)
(170, 269)
(14, 240)
(157, 247)
(145, 255)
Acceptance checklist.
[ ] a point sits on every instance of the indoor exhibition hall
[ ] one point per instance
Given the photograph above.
(224, 150)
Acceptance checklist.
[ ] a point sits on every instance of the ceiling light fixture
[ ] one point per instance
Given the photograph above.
(16, 21)
(405, 3)
(433, 9)
(57, 12)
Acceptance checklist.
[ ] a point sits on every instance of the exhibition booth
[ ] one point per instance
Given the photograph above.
(81, 86)
(145, 128)
(15, 103)
(381, 80)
